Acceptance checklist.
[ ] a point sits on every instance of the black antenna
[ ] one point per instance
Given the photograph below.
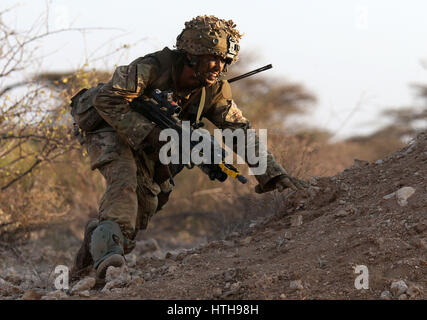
(250, 73)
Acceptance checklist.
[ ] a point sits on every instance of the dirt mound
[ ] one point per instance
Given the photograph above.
(371, 215)
(311, 250)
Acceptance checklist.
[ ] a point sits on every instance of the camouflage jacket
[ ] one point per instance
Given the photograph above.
(160, 70)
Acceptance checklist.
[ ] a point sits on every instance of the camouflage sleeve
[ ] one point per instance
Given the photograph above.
(113, 101)
(225, 114)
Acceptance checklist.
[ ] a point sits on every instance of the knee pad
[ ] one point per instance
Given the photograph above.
(107, 240)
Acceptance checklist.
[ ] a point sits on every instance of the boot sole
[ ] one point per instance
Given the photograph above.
(115, 260)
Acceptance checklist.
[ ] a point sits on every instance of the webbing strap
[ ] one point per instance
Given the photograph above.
(201, 105)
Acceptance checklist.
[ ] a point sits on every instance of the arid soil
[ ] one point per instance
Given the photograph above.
(371, 214)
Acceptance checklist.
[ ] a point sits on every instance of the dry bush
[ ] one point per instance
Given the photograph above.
(40, 160)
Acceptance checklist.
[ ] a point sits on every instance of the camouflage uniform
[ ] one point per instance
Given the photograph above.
(132, 196)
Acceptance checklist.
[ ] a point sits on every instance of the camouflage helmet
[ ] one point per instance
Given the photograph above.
(210, 35)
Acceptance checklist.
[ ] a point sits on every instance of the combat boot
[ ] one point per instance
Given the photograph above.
(83, 260)
(106, 247)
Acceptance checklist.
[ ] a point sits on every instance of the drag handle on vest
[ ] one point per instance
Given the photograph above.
(250, 73)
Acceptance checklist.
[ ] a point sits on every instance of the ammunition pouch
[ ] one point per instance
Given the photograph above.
(84, 113)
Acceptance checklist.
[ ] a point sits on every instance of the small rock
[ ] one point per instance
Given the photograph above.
(282, 296)
(280, 241)
(180, 256)
(229, 275)
(360, 163)
(386, 295)
(379, 161)
(345, 186)
(117, 283)
(389, 196)
(228, 243)
(414, 290)
(192, 258)
(117, 291)
(422, 244)
(235, 286)
(246, 241)
(233, 289)
(31, 295)
(55, 295)
(398, 288)
(313, 191)
(84, 294)
(342, 202)
(296, 284)
(136, 282)
(114, 273)
(322, 263)
(420, 227)
(172, 269)
(147, 276)
(403, 194)
(341, 213)
(234, 234)
(169, 255)
(411, 148)
(148, 246)
(296, 220)
(131, 260)
(217, 292)
(403, 297)
(84, 285)
(313, 181)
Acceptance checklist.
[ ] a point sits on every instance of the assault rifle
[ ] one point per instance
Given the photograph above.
(162, 110)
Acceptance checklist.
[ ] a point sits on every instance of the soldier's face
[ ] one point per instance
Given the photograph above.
(210, 67)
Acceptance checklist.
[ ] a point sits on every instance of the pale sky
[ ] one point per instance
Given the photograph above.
(357, 57)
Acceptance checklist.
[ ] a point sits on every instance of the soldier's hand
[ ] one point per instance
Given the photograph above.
(281, 183)
(286, 181)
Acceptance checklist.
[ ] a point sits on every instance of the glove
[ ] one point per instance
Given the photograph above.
(281, 183)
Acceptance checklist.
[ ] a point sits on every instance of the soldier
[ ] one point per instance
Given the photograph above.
(123, 145)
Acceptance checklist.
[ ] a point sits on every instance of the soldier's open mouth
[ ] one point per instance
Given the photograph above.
(212, 75)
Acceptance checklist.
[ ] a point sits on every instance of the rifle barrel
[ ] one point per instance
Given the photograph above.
(250, 73)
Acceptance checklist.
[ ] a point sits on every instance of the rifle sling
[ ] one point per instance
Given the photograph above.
(201, 105)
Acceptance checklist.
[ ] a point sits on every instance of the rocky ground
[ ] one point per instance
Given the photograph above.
(372, 215)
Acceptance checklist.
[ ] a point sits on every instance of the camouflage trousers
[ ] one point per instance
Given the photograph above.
(131, 197)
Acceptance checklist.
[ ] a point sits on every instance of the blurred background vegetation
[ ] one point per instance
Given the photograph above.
(48, 189)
